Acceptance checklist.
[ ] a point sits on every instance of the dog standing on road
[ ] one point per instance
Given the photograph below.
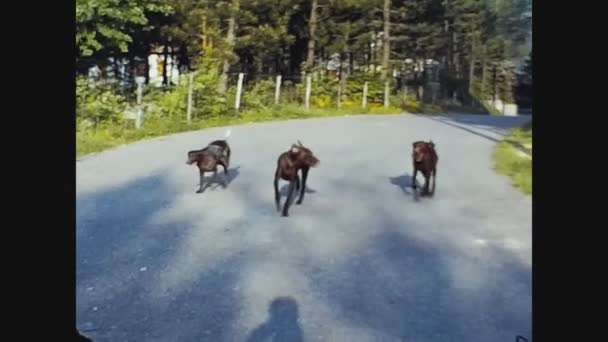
(289, 163)
(424, 159)
(207, 160)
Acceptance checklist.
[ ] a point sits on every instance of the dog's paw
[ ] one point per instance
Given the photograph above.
(199, 191)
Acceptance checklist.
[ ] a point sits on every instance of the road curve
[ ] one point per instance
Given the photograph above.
(359, 260)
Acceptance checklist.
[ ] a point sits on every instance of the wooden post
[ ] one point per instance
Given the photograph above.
(364, 102)
(308, 86)
(140, 90)
(386, 94)
(277, 90)
(190, 84)
(239, 88)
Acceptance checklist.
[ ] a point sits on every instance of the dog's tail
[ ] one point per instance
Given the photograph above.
(227, 135)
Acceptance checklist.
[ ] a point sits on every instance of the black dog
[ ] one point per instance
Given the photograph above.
(289, 164)
(424, 159)
(207, 160)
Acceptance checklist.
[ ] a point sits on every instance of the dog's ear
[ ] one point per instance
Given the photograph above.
(299, 143)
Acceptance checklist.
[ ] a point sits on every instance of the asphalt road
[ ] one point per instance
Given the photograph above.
(359, 260)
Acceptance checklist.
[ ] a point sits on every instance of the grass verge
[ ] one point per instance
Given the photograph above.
(109, 136)
(512, 160)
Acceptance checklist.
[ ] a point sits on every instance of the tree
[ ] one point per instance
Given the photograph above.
(312, 29)
(264, 37)
(104, 23)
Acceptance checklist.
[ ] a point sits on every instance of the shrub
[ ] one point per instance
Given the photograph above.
(97, 102)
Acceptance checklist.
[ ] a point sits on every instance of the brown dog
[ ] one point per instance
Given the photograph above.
(289, 163)
(207, 160)
(424, 159)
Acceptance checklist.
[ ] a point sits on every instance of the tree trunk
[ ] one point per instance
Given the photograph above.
(344, 73)
(386, 38)
(369, 60)
(455, 55)
(230, 38)
(147, 67)
(484, 69)
(116, 67)
(173, 66)
(312, 28)
(495, 91)
(472, 67)
(340, 75)
(131, 74)
(446, 31)
(165, 63)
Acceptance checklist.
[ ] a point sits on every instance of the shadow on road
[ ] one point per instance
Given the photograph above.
(404, 182)
(500, 126)
(218, 180)
(123, 247)
(282, 325)
(412, 291)
(284, 190)
(394, 283)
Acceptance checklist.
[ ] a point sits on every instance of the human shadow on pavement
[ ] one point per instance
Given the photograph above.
(282, 325)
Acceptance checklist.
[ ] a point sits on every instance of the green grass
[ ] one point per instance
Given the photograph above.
(510, 162)
(109, 136)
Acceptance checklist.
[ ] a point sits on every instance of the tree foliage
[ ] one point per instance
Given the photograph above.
(473, 40)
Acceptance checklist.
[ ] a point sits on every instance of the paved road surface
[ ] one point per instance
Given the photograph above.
(360, 260)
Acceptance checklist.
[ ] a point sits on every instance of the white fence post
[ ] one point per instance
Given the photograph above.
(239, 88)
(140, 89)
(364, 101)
(308, 85)
(277, 90)
(386, 94)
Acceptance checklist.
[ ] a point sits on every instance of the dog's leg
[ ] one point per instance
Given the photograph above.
(425, 188)
(434, 180)
(223, 164)
(201, 182)
(414, 178)
(292, 185)
(303, 188)
(277, 196)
